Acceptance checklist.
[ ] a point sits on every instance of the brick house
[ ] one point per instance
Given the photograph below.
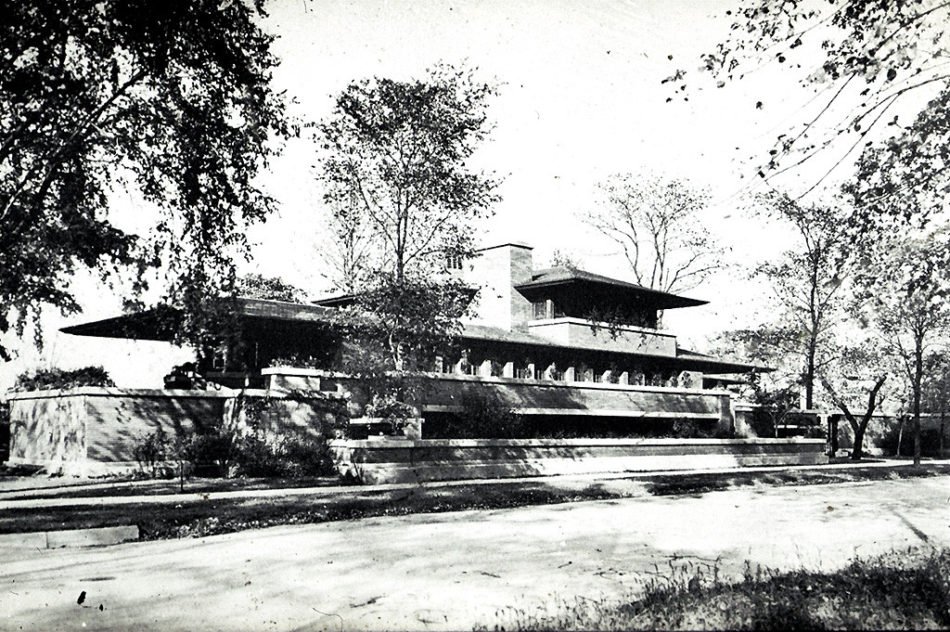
(532, 341)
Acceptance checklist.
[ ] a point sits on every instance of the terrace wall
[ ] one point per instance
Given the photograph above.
(444, 393)
(399, 461)
(93, 431)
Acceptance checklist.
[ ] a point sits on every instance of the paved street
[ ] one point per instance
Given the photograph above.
(455, 570)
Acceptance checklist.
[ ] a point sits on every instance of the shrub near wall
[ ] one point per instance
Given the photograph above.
(929, 441)
(485, 416)
(55, 379)
(282, 436)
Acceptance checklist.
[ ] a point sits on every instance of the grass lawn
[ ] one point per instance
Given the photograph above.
(701, 482)
(908, 590)
(210, 516)
(162, 487)
(197, 518)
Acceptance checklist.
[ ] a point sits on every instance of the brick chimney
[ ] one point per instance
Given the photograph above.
(496, 270)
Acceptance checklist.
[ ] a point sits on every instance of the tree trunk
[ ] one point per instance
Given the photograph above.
(918, 376)
(810, 376)
(857, 452)
(857, 428)
(832, 436)
(917, 434)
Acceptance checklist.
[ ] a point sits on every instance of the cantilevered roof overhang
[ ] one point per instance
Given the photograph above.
(544, 280)
(162, 322)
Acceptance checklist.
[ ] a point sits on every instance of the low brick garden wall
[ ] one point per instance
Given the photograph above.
(401, 460)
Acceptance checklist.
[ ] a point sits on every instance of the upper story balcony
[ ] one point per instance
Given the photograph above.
(577, 332)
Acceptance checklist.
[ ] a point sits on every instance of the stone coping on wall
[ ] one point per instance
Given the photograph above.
(605, 386)
(401, 442)
(108, 391)
(586, 412)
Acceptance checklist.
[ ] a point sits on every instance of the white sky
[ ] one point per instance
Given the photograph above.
(580, 99)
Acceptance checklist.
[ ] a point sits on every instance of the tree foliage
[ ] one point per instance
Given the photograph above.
(807, 282)
(773, 403)
(169, 99)
(395, 157)
(868, 65)
(350, 249)
(269, 288)
(395, 167)
(404, 325)
(659, 227)
(55, 379)
(904, 292)
(564, 259)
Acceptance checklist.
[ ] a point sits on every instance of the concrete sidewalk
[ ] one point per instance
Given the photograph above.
(456, 570)
(15, 500)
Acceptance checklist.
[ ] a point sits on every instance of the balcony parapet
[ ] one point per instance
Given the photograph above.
(577, 332)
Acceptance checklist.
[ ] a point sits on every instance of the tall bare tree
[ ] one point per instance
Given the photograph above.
(659, 227)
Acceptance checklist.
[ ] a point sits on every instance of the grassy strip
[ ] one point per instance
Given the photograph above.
(193, 485)
(208, 517)
(656, 484)
(700, 483)
(201, 518)
(906, 590)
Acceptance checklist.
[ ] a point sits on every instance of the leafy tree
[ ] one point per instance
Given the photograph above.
(905, 292)
(896, 178)
(767, 344)
(807, 283)
(403, 326)
(171, 99)
(395, 165)
(396, 153)
(269, 288)
(485, 415)
(867, 63)
(856, 381)
(658, 225)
